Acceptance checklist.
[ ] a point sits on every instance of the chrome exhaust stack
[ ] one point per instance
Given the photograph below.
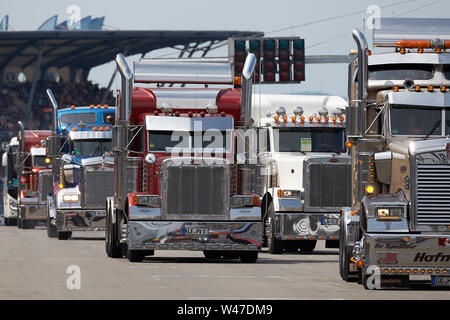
(54, 111)
(246, 91)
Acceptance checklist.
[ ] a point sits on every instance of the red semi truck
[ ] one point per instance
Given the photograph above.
(180, 182)
(32, 170)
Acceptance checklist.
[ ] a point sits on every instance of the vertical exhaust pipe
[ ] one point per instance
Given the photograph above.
(22, 136)
(246, 90)
(54, 111)
(126, 86)
(356, 118)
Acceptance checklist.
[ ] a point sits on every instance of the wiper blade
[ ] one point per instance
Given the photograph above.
(436, 124)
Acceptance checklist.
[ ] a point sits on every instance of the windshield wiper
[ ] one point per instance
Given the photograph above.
(436, 124)
(98, 147)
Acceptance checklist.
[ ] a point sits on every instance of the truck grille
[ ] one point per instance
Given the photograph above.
(96, 186)
(433, 194)
(45, 185)
(327, 185)
(195, 191)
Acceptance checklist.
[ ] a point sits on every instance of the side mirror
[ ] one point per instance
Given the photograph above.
(150, 158)
(53, 145)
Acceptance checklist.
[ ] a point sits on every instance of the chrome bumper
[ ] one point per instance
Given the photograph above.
(81, 220)
(406, 253)
(304, 226)
(155, 235)
(33, 212)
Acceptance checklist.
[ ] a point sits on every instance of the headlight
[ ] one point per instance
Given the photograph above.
(289, 193)
(244, 201)
(147, 200)
(389, 214)
(71, 198)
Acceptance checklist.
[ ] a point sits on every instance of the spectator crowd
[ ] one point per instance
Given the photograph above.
(14, 100)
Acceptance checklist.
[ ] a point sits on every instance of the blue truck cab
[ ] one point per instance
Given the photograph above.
(82, 172)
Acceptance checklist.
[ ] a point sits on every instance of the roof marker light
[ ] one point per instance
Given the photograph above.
(105, 106)
(91, 106)
(72, 107)
(417, 88)
(443, 89)
(99, 106)
(430, 88)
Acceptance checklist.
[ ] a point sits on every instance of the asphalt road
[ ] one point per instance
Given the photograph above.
(33, 266)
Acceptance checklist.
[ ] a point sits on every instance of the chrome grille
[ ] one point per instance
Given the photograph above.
(327, 184)
(432, 194)
(96, 186)
(195, 191)
(45, 184)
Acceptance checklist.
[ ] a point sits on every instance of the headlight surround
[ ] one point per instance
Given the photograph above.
(388, 213)
(244, 201)
(289, 194)
(71, 198)
(147, 200)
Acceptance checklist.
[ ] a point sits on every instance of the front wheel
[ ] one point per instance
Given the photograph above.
(135, 256)
(345, 253)
(52, 232)
(112, 245)
(274, 245)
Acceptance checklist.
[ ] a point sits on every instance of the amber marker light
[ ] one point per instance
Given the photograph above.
(430, 88)
(349, 144)
(443, 89)
(370, 189)
(395, 89)
(417, 88)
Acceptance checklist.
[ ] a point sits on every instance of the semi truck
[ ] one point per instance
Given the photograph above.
(31, 160)
(307, 173)
(179, 181)
(10, 183)
(82, 168)
(397, 229)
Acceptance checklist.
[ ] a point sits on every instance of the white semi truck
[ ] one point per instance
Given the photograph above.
(10, 183)
(301, 140)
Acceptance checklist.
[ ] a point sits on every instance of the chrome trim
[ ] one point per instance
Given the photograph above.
(423, 99)
(392, 29)
(78, 135)
(245, 214)
(54, 110)
(155, 123)
(192, 98)
(172, 235)
(182, 71)
(81, 220)
(144, 213)
(290, 205)
(126, 88)
(294, 225)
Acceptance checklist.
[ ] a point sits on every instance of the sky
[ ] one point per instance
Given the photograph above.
(326, 26)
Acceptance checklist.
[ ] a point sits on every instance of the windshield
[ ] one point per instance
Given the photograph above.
(413, 121)
(39, 162)
(75, 118)
(311, 140)
(167, 140)
(401, 72)
(91, 147)
(447, 72)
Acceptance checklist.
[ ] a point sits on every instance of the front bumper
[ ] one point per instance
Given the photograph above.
(81, 220)
(192, 235)
(307, 226)
(403, 254)
(33, 212)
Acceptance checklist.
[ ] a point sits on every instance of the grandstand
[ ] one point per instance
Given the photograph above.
(60, 56)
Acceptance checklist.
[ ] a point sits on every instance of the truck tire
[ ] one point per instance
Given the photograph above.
(52, 232)
(135, 255)
(249, 257)
(112, 245)
(27, 224)
(10, 221)
(64, 235)
(345, 253)
(307, 246)
(19, 223)
(274, 245)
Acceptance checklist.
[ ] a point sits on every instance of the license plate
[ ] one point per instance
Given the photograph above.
(440, 281)
(197, 231)
(330, 221)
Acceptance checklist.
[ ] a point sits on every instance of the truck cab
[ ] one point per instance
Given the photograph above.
(82, 167)
(307, 175)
